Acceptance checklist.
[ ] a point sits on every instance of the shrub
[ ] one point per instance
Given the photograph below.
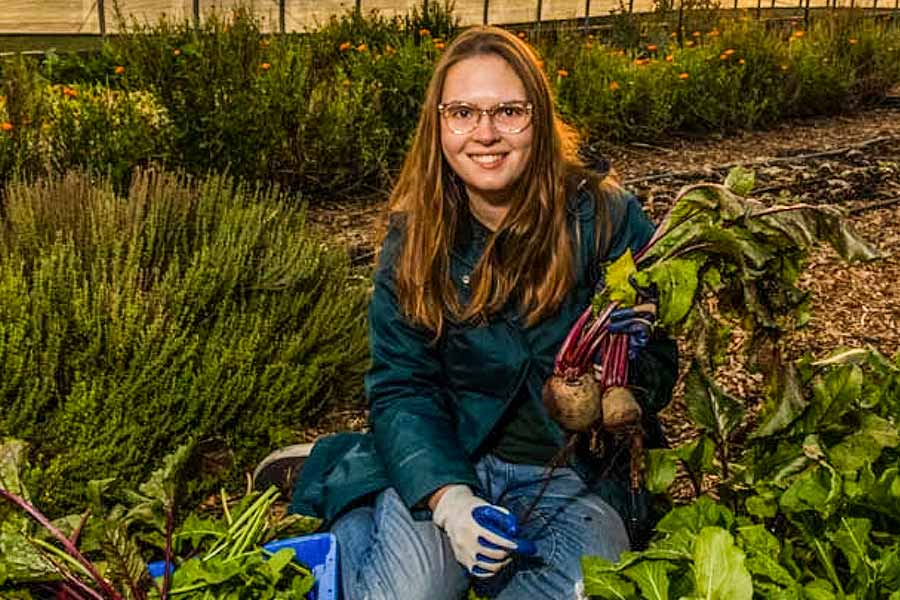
(188, 310)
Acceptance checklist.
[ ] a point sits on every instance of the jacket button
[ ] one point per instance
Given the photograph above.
(465, 279)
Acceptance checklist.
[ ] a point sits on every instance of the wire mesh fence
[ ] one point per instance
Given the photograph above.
(100, 16)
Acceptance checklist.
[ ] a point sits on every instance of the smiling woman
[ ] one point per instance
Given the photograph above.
(495, 235)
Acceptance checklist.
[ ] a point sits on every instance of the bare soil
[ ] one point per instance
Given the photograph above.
(852, 161)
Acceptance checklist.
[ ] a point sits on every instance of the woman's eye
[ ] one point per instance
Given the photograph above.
(462, 113)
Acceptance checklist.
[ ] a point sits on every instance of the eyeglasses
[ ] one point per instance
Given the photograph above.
(507, 117)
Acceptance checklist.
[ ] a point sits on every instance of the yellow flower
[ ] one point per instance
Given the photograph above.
(799, 33)
(670, 58)
(67, 91)
(784, 67)
(613, 85)
(265, 66)
(6, 126)
(683, 76)
(742, 62)
(119, 70)
(424, 32)
(853, 41)
(651, 48)
(345, 46)
(176, 52)
(362, 47)
(562, 73)
(389, 50)
(440, 45)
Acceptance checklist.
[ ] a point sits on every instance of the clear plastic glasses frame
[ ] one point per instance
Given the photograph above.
(491, 112)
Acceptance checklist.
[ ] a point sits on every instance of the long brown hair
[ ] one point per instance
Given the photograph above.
(529, 258)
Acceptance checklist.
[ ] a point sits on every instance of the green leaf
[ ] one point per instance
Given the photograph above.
(762, 550)
(852, 539)
(763, 506)
(740, 181)
(651, 576)
(161, 485)
(865, 445)
(789, 404)
(659, 473)
(13, 456)
(601, 580)
(819, 589)
(697, 456)
(278, 561)
(818, 489)
(719, 569)
(21, 562)
(693, 517)
(618, 287)
(677, 282)
(711, 407)
(834, 397)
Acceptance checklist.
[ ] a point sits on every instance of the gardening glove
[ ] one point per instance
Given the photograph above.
(479, 543)
(637, 321)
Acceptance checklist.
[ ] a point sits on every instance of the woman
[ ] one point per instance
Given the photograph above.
(495, 236)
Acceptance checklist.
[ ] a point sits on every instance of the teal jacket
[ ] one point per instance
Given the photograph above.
(433, 406)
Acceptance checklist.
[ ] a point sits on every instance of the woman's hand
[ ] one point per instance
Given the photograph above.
(466, 520)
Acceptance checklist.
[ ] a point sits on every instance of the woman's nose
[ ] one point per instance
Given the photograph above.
(485, 132)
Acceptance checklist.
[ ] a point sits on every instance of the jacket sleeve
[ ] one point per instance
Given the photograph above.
(653, 373)
(415, 434)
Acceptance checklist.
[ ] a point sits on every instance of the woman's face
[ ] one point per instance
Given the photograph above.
(487, 160)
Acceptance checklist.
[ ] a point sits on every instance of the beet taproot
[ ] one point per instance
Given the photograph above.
(574, 403)
(620, 408)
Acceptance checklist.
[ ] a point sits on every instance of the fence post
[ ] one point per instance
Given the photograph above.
(758, 9)
(806, 16)
(630, 7)
(101, 17)
(484, 19)
(196, 8)
(358, 8)
(587, 15)
(537, 25)
(681, 24)
(282, 26)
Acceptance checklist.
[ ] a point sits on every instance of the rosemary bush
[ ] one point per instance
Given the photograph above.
(187, 310)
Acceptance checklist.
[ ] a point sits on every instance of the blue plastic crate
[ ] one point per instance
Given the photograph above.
(317, 551)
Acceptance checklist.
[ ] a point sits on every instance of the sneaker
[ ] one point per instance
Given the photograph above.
(280, 468)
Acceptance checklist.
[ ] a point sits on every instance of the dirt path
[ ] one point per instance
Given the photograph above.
(850, 160)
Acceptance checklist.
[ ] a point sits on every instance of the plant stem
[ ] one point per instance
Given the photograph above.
(38, 516)
(167, 573)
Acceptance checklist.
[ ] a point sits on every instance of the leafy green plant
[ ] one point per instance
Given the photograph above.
(102, 553)
(186, 309)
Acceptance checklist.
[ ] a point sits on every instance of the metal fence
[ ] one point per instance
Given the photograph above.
(98, 16)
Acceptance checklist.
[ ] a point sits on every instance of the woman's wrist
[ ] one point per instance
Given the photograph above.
(436, 497)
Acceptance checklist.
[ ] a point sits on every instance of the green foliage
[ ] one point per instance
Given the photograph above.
(185, 310)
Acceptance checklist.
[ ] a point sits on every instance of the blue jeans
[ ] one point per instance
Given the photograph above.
(386, 554)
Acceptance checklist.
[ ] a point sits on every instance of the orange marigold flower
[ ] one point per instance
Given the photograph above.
(265, 66)
(696, 34)
(521, 35)
(424, 32)
(742, 62)
(362, 47)
(729, 52)
(683, 76)
(119, 70)
(345, 46)
(70, 92)
(799, 33)
(641, 61)
(853, 41)
(6, 126)
(670, 58)
(562, 73)
(714, 33)
(440, 45)
(176, 52)
(613, 85)
(651, 48)
(673, 34)
(723, 56)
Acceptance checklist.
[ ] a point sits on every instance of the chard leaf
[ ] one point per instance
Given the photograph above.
(711, 407)
(677, 282)
(719, 569)
(693, 517)
(740, 181)
(659, 470)
(819, 589)
(618, 287)
(601, 581)
(698, 455)
(852, 539)
(881, 493)
(788, 405)
(13, 455)
(21, 562)
(865, 445)
(835, 396)
(651, 576)
(762, 550)
(818, 489)
(676, 546)
(763, 506)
